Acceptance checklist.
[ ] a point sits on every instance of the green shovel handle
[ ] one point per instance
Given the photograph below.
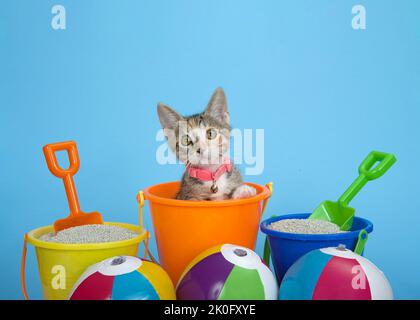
(361, 241)
(366, 173)
(386, 160)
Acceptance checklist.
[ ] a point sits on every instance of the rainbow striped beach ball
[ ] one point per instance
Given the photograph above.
(123, 278)
(227, 272)
(334, 274)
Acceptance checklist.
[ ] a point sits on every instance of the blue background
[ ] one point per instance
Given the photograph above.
(325, 95)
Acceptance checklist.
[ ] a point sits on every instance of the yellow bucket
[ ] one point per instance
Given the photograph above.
(60, 265)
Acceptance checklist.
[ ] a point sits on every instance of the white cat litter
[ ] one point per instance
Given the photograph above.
(90, 233)
(305, 226)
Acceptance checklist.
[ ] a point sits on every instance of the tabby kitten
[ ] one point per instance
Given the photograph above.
(201, 142)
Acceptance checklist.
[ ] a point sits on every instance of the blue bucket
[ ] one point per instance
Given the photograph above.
(286, 248)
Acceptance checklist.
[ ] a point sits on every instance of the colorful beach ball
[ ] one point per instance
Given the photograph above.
(334, 274)
(227, 272)
(123, 278)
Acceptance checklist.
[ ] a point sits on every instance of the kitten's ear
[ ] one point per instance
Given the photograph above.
(168, 118)
(217, 107)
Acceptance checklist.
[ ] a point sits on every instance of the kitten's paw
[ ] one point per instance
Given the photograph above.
(244, 191)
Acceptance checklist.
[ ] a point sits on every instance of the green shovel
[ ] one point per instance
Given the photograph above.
(339, 212)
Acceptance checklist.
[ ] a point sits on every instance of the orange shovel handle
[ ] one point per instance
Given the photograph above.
(65, 174)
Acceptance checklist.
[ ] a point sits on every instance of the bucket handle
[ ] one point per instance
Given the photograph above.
(270, 188)
(140, 200)
(267, 251)
(22, 266)
(361, 241)
(146, 249)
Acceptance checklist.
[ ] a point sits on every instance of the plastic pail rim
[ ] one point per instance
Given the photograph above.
(33, 238)
(264, 193)
(351, 234)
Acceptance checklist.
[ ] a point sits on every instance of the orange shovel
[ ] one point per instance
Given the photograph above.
(76, 217)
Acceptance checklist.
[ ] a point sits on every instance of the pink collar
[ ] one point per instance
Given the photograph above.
(207, 175)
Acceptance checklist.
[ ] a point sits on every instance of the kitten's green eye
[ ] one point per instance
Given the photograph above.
(211, 134)
(186, 140)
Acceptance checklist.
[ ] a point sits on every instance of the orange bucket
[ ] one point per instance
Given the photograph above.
(184, 229)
